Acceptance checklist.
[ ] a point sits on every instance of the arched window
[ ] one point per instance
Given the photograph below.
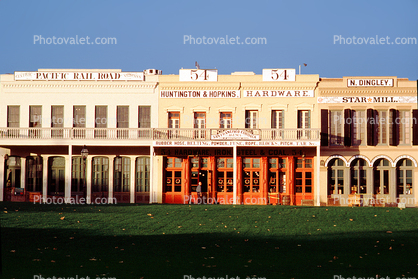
(358, 176)
(404, 177)
(381, 172)
(336, 177)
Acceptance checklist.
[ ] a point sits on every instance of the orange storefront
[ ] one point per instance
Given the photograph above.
(263, 175)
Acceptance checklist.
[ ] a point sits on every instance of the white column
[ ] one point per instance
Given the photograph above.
(132, 179)
(392, 184)
(88, 178)
(110, 197)
(318, 176)
(45, 178)
(151, 171)
(22, 172)
(235, 174)
(1, 177)
(68, 162)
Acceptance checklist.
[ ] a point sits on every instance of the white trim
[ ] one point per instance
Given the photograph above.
(227, 109)
(335, 157)
(305, 106)
(404, 157)
(252, 107)
(200, 109)
(279, 106)
(174, 109)
(357, 157)
(381, 157)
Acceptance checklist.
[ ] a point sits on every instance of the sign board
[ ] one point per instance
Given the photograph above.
(279, 74)
(368, 100)
(198, 75)
(235, 135)
(136, 76)
(278, 93)
(367, 82)
(200, 94)
(234, 143)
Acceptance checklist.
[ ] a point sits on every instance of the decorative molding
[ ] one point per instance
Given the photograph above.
(358, 157)
(336, 156)
(404, 157)
(381, 157)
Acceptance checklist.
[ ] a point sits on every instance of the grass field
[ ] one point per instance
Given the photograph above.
(171, 241)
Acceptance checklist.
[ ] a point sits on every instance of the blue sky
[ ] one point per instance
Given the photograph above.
(150, 34)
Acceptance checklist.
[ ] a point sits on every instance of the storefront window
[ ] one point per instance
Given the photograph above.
(336, 177)
(100, 174)
(404, 178)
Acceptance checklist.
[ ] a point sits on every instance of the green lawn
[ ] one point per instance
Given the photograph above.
(170, 241)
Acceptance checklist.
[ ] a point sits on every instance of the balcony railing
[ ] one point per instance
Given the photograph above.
(160, 134)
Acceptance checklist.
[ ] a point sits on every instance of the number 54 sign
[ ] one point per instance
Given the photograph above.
(279, 75)
(198, 75)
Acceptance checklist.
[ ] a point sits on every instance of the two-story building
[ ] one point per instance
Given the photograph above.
(246, 138)
(80, 134)
(369, 140)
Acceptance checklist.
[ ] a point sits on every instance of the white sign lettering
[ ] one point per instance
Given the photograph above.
(279, 75)
(369, 82)
(137, 76)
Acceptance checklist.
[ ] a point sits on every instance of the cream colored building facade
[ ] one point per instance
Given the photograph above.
(247, 138)
(48, 116)
(369, 141)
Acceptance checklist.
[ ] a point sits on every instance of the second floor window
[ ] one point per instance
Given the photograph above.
(225, 121)
(35, 116)
(174, 120)
(13, 118)
(79, 116)
(251, 119)
(277, 119)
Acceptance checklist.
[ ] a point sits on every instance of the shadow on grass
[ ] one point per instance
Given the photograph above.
(54, 252)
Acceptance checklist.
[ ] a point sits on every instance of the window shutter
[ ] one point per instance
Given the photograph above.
(415, 127)
(394, 117)
(347, 127)
(370, 127)
(309, 119)
(144, 114)
(324, 127)
(247, 119)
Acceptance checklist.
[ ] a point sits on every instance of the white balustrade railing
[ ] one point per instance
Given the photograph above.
(158, 134)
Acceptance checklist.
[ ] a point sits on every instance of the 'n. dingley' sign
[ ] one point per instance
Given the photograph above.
(235, 135)
(370, 82)
(137, 76)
